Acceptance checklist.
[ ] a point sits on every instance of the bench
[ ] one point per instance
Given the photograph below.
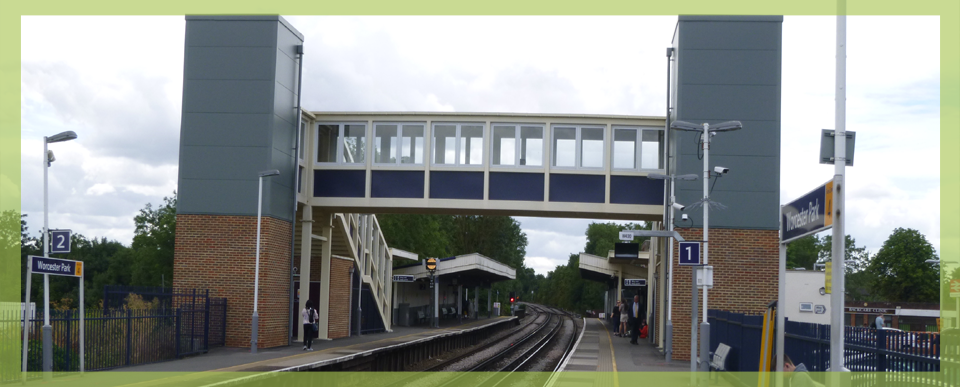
(719, 361)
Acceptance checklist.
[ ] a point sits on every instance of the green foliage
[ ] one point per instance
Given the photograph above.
(804, 252)
(601, 237)
(153, 243)
(899, 271)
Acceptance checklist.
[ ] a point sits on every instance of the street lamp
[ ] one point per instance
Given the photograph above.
(707, 131)
(673, 205)
(47, 329)
(256, 277)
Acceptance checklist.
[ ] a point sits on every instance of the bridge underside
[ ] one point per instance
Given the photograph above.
(452, 207)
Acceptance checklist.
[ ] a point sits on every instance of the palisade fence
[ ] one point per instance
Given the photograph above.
(115, 337)
(902, 358)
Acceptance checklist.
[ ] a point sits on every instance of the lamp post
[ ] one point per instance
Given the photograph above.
(707, 132)
(668, 350)
(255, 321)
(47, 329)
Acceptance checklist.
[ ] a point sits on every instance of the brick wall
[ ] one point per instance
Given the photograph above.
(218, 253)
(745, 264)
(339, 298)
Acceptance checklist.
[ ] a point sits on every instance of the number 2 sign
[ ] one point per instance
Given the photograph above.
(59, 241)
(690, 254)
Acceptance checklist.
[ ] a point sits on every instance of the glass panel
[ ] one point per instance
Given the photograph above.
(411, 144)
(327, 138)
(564, 147)
(531, 145)
(354, 143)
(385, 144)
(504, 145)
(303, 138)
(591, 147)
(471, 144)
(444, 144)
(651, 149)
(624, 148)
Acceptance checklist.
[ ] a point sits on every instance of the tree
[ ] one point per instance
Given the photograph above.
(153, 243)
(601, 237)
(900, 272)
(804, 252)
(855, 259)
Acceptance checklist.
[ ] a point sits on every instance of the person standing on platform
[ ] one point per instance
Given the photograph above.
(635, 319)
(879, 321)
(310, 317)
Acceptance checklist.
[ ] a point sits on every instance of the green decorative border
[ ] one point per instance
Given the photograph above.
(10, 190)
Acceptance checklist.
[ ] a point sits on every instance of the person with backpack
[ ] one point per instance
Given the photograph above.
(310, 317)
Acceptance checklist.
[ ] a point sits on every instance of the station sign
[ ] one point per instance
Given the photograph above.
(809, 214)
(403, 278)
(690, 254)
(59, 241)
(55, 266)
(634, 282)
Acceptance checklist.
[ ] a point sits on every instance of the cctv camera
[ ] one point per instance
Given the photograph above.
(684, 217)
(721, 170)
(678, 206)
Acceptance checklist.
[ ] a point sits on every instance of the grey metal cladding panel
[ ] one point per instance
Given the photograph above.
(740, 102)
(757, 138)
(286, 74)
(227, 96)
(284, 135)
(714, 35)
(231, 33)
(287, 42)
(747, 210)
(226, 129)
(724, 67)
(284, 163)
(747, 173)
(247, 63)
(227, 197)
(222, 162)
(285, 104)
(278, 199)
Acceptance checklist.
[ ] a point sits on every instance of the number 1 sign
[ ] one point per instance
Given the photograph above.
(690, 254)
(59, 241)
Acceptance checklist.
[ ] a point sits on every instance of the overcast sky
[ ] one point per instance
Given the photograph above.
(117, 82)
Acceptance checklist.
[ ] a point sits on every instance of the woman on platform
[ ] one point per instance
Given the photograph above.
(624, 318)
(310, 317)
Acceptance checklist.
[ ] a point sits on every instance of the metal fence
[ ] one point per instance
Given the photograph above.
(115, 337)
(115, 296)
(872, 350)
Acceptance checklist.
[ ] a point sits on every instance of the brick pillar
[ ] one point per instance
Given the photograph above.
(217, 252)
(745, 264)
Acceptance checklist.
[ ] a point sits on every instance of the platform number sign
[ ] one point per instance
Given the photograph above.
(690, 254)
(59, 241)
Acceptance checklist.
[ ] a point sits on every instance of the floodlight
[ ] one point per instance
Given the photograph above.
(62, 136)
(726, 126)
(684, 125)
(272, 172)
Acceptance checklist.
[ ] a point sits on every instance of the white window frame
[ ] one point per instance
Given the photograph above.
(516, 149)
(638, 155)
(456, 154)
(578, 156)
(341, 126)
(399, 139)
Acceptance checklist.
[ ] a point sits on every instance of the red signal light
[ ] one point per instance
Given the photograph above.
(512, 300)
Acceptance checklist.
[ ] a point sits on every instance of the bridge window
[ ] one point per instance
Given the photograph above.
(458, 144)
(517, 147)
(398, 144)
(637, 148)
(351, 150)
(578, 147)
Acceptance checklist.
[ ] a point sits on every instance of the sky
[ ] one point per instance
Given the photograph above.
(117, 82)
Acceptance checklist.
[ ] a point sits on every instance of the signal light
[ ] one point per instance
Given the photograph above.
(512, 300)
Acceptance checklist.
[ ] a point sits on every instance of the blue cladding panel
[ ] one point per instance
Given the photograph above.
(456, 185)
(396, 184)
(339, 184)
(635, 190)
(516, 186)
(577, 188)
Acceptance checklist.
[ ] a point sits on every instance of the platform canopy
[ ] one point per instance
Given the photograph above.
(468, 270)
(609, 269)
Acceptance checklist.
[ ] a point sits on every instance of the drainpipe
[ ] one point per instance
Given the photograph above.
(296, 192)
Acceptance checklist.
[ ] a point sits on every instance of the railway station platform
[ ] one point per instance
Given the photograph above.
(600, 350)
(325, 353)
